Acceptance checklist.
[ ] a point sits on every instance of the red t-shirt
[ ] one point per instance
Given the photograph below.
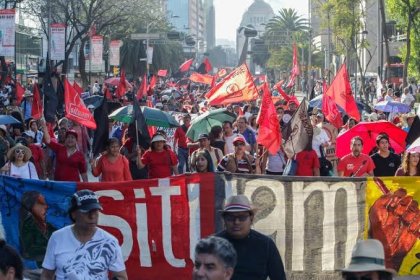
(67, 168)
(118, 170)
(159, 163)
(356, 166)
(306, 162)
(181, 137)
(38, 155)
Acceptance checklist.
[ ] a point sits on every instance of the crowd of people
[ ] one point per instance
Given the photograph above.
(62, 151)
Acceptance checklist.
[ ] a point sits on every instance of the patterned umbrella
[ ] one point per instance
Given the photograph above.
(392, 106)
(154, 117)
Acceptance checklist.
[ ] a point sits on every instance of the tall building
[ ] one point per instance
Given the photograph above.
(190, 17)
(210, 26)
(256, 17)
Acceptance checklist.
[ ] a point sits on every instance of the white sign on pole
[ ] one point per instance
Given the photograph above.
(97, 46)
(58, 41)
(149, 54)
(114, 52)
(7, 32)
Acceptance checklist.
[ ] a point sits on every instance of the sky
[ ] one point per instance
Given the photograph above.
(229, 14)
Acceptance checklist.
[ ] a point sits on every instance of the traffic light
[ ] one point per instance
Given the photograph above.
(116, 71)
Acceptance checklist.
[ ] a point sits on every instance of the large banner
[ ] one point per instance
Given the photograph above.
(315, 224)
(114, 52)
(97, 46)
(7, 32)
(58, 41)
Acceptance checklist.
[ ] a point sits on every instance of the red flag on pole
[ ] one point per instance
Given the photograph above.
(238, 86)
(37, 106)
(269, 134)
(152, 85)
(75, 108)
(186, 65)
(295, 69)
(162, 73)
(142, 90)
(281, 91)
(20, 92)
(340, 93)
(201, 78)
(122, 87)
(330, 110)
(77, 88)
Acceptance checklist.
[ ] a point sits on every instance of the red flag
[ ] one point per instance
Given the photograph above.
(207, 65)
(77, 88)
(269, 134)
(122, 87)
(238, 86)
(152, 85)
(213, 81)
(20, 91)
(186, 65)
(75, 108)
(281, 91)
(37, 108)
(162, 73)
(295, 69)
(142, 90)
(107, 93)
(330, 110)
(201, 78)
(340, 93)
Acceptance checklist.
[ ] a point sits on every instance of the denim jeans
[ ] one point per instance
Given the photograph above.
(183, 160)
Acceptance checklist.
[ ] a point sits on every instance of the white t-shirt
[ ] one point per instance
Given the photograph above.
(26, 171)
(319, 139)
(407, 99)
(229, 142)
(73, 260)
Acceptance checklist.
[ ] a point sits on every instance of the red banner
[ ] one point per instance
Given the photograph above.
(153, 222)
(201, 78)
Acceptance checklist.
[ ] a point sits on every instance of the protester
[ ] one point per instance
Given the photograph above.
(247, 133)
(5, 143)
(215, 259)
(410, 165)
(161, 161)
(180, 144)
(356, 164)
(204, 144)
(368, 262)
(240, 161)
(407, 98)
(70, 163)
(111, 165)
(307, 162)
(258, 256)
(386, 162)
(37, 154)
(228, 136)
(11, 266)
(83, 250)
(18, 164)
(216, 138)
(273, 164)
(202, 162)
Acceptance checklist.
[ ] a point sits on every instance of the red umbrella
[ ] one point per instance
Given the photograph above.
(115, 81)
(368, 131)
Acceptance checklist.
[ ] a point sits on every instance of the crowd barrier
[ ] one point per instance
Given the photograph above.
(315, 222)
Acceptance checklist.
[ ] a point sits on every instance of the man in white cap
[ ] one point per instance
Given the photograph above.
(258, 257)
(368, 262)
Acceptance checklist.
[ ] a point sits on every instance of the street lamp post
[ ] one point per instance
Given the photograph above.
(364, 32)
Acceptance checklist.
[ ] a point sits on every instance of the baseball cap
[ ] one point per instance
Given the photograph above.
(238, 139)
(85, 201)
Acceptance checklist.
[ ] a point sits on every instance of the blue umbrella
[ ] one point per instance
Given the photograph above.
(392, 106)
(317, 103)
(7, 119)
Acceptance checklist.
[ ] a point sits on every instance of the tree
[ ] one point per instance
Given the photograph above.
(84, 17)
(407, 15)
(280, 33)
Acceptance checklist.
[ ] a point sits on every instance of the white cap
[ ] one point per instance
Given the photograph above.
(157, 138)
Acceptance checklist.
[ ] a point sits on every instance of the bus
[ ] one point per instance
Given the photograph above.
(393, 74)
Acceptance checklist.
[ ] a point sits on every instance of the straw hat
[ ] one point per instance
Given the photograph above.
(368, 255)
(11, 152)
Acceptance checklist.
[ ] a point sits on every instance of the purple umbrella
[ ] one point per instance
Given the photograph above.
(392, 106)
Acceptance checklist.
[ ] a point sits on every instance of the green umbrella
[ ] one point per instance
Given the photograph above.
(153, 116)
(204, 122)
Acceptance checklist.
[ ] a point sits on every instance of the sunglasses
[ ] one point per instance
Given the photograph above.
(239, 144)
(354, 277)
(231, 218)
(19, 151)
